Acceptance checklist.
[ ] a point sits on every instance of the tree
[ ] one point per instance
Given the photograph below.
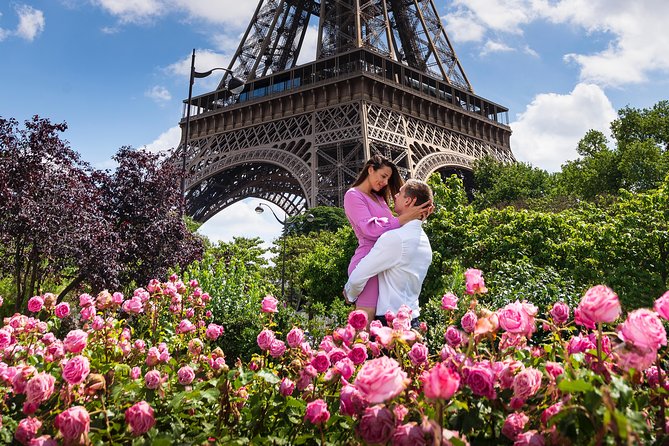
(50, 224)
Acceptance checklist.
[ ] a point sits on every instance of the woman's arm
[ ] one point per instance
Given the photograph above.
(371, 226)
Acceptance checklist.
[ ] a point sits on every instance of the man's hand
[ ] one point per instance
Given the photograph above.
(346, 298)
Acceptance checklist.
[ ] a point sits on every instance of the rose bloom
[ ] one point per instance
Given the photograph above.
(265, 339)
(644, 329)
(468, 321)
(449, 301)
(62, 310)
(185, 326)
(140, 418)
(43, 440)
(87, 313)
(453, 336)
(358, 354)
(627, 357)
(317, 412)
(381, 379)
(358, 319)
(481, 380)
(35, 304)
(269, 303)
(418, 353)
(474, 281)
(186, 375)
(551, 411)
(85, 300)
(277, 348)
(529, 438)
(514, 425)
(409, 434)
(554, 369)
(351, 402)
(560, 313)
(599, 304)
(295, 337)
(214, 331)
(440, 382)
(515, 318)
(377, 425)
(39, 388)
(73, 423)
(134, 305)
(152, 379)
(287, 387)
(76, 370)
(526, 383)
(75, 341)
(661, 305)
(27, 429)
(344, 367)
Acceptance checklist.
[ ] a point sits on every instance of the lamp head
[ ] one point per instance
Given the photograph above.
(235, 85)
(259, 209)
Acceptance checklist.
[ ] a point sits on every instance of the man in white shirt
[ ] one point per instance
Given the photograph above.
(400, 258)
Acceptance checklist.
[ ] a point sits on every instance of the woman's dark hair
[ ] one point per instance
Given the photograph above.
(395, 181)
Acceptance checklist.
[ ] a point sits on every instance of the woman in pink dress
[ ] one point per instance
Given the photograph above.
(367, 207)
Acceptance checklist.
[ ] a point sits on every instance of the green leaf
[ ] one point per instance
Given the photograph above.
(268, 376)
(576, 385)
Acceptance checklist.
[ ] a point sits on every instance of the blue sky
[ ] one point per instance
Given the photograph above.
(117, 70)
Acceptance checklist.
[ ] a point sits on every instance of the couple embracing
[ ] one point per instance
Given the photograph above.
(393, 253)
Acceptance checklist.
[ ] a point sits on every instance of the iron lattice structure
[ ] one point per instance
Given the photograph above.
(385, 80)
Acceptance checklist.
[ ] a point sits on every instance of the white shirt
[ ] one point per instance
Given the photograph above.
(400, 258)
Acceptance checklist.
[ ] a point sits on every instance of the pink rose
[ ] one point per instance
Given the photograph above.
(27, 430)
(514, 425)
(85, 300)
(62, 310)
(39, 388)
(140, 418)
(628, 356)
(481, 380)
(418, 353)
(5, 338)
(358, 319)
(152, 379)
(321, 362)
(529, 438)
(269, 304)
(152, 356)
(468, 321)
(644, 329)
(43, 440)
(213, 332)
(515, 318)
(599, 304)
(381, 379)
(453, 336)
(35, 304)
(134, 305)
(76, 370)
(409, 434)
(662, 306)
(358, 354)
(440, 382)
(317, 412)
(351, 402)
(449, 301)
(87, 313)
(277, 348)
(345, 367)
(377, 425)
(474, 282)
(560, 313)
(135, 373)
(550, 412)
(526, 383)
(287, 387)
(185, 326)
(186, 375)
(75, 341)
(554, 369)
(265, 339)
(295, 337)
(74, 424)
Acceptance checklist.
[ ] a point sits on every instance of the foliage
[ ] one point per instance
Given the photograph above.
(146, 370)
(323, 218)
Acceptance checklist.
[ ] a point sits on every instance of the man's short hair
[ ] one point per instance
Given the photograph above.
(419, 190)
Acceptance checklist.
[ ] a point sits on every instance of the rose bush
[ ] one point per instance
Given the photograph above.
(147, 369)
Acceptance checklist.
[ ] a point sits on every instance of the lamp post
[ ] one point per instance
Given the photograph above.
(259, 210)
(234, 86)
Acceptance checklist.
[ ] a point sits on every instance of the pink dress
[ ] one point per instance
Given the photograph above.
(369, 217)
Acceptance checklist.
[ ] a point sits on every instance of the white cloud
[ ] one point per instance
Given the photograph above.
(495, 47)
(309, 46)
(133, 11)
(241, 219)
(204, 60)
(547, 132)
(167, 141)
(31, 22)
(499, 15)
(159, 94)
(462, 26)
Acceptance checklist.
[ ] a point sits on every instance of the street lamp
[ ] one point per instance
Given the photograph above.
(235, 86)
(259, 210)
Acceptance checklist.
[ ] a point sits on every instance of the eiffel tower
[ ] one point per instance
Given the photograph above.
(385, 80)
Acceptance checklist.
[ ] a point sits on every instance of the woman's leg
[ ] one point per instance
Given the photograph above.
(367, 299)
